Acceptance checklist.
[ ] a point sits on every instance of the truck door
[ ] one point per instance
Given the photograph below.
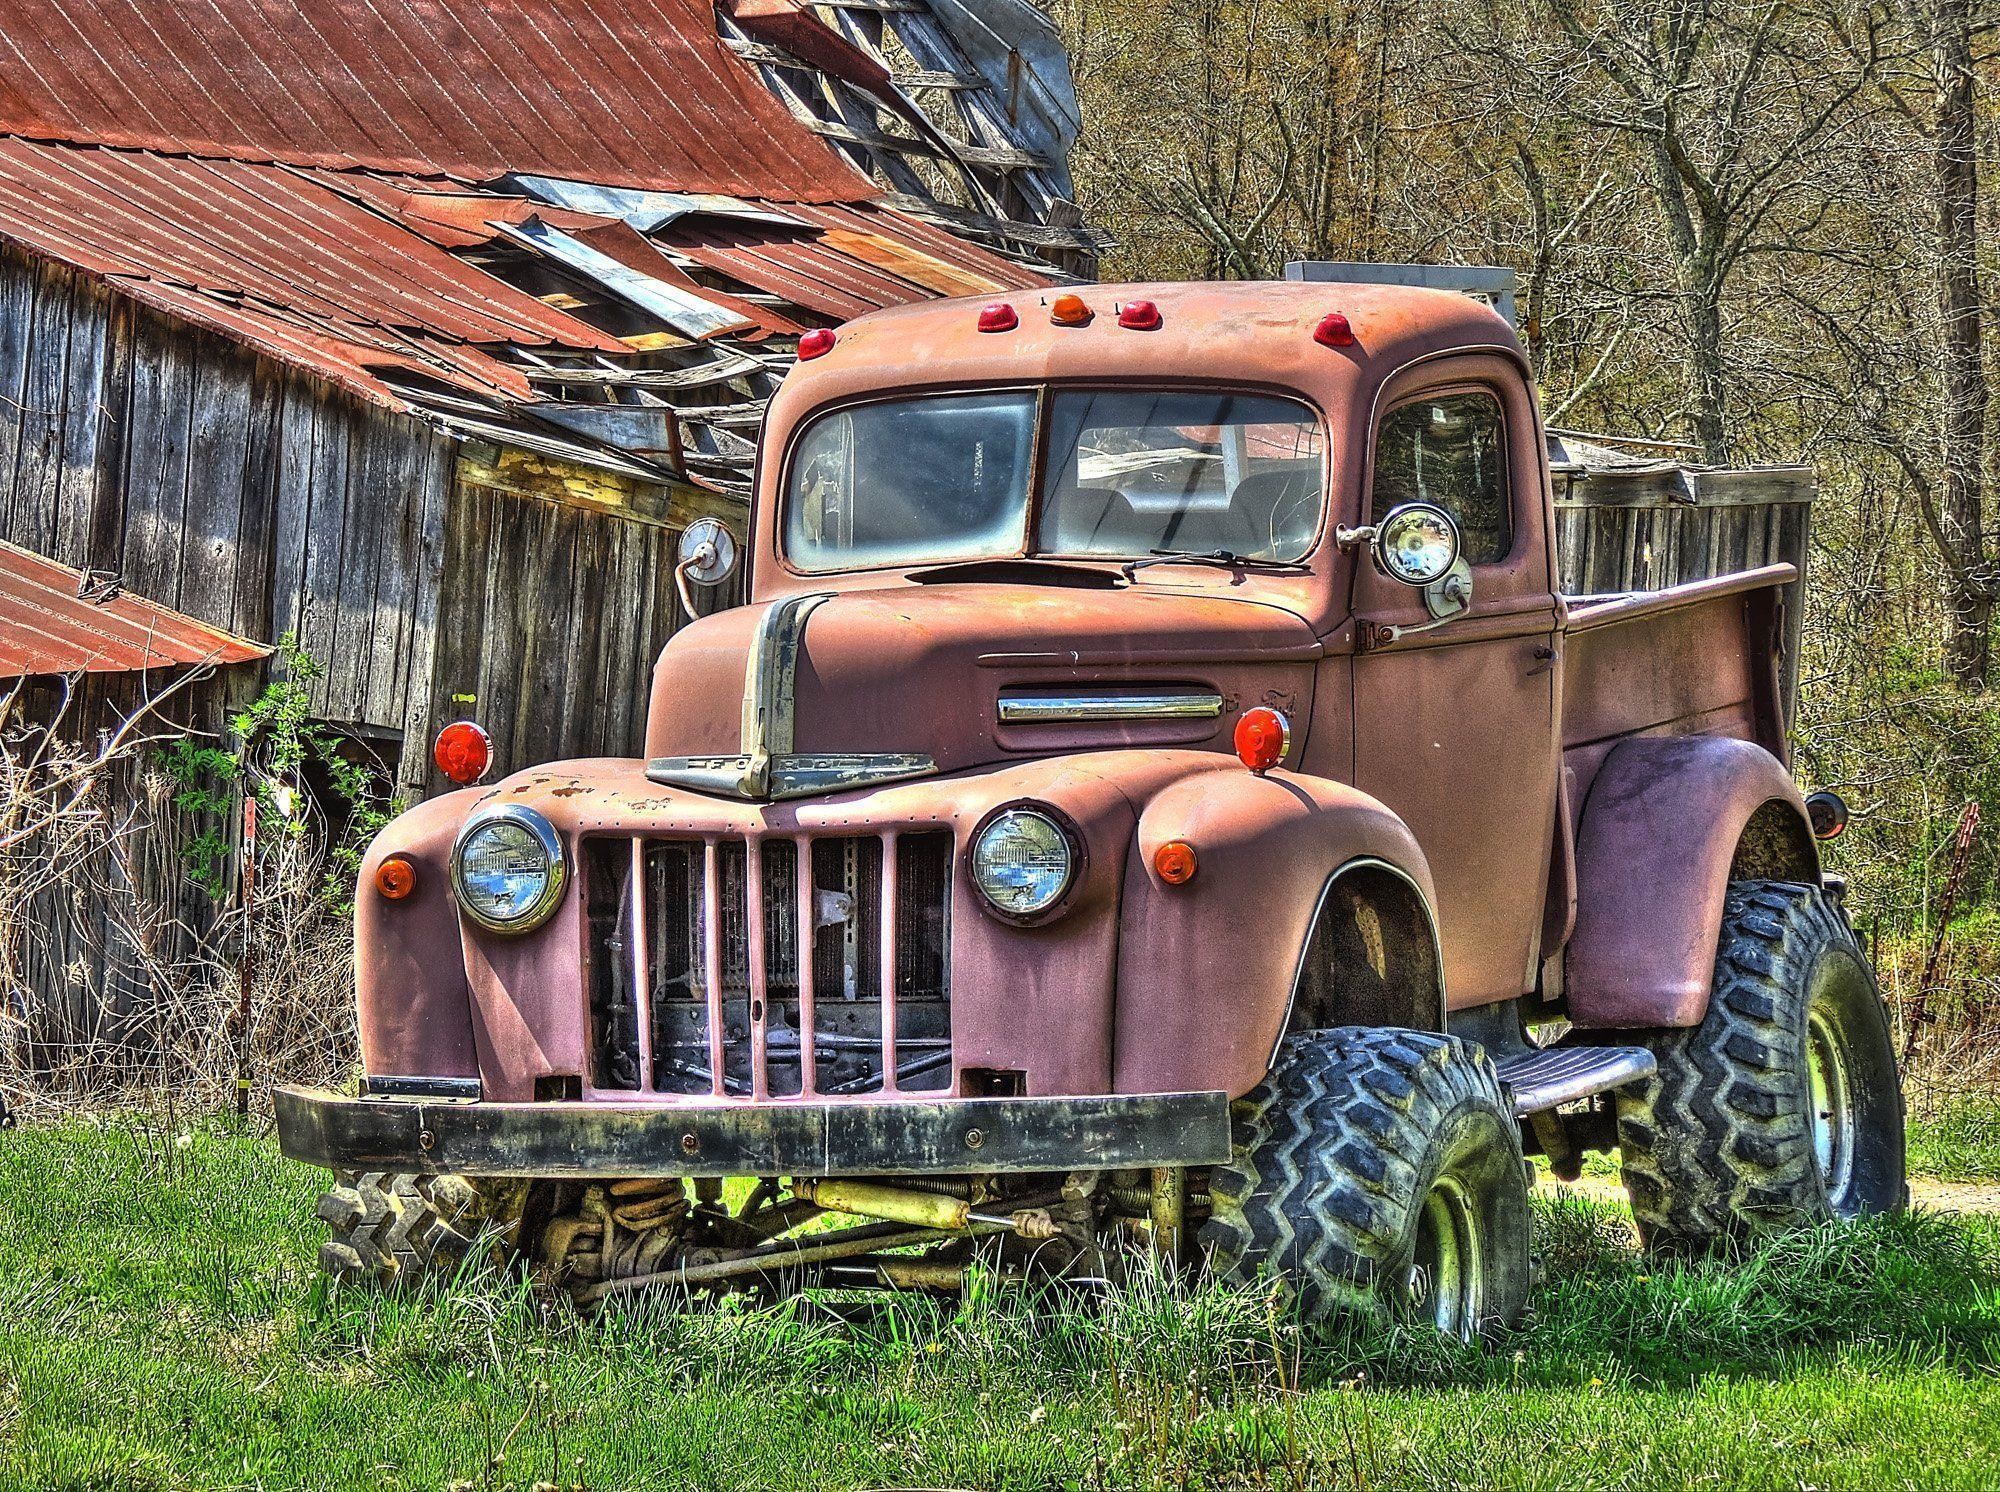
(1455, 727)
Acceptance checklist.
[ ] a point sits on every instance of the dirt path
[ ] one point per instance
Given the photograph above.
(1925, 1191)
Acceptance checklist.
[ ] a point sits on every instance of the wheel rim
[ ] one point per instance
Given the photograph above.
(1832, 1105)
(1444, 1283)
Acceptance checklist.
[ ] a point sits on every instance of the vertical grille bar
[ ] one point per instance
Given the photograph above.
(888, 920)
(755, 975)
(711, 920)
(808, 1054)
(642, 966)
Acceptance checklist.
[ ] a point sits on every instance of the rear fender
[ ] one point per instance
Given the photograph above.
(413, 1001)
(1669, 821)
(1208, 970)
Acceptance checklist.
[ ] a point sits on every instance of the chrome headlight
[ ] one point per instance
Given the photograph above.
(1023, 862)
(508, 869)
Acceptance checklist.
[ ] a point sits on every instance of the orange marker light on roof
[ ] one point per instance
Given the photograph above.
(816, 343)
(1173, 862)
(395, 878)
(998, 317)
(1139, 316)
(1334, 330)
(463, 752)
(1070, 310)
(1263, 738)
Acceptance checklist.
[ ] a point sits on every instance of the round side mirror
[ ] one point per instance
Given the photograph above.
(708, 552)
(1417, 543)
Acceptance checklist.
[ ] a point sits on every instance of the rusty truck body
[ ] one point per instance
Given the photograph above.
(1154, 791)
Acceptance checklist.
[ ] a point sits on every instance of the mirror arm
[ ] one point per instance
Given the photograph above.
(1356, 538)
(1448, 599)
(701, 559)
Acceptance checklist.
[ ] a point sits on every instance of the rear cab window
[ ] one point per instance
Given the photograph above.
(1450, 450)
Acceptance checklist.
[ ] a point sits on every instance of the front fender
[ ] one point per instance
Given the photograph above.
(413, 1002)
(1660, 836)
(1206, 969)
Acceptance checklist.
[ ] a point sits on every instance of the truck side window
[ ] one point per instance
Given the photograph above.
(1452, 451)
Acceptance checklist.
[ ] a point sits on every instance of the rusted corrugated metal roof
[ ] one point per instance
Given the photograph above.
(855, 259)
(533, 202)
(627, 92)
(49, 626)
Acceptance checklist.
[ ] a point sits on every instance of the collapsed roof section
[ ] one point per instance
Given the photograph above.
(575, 226)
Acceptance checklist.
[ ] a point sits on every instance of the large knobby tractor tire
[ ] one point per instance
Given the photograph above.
(1378, 1170)
(1784, 1106)
(399, 1230)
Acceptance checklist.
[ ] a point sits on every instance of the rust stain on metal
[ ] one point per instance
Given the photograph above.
(472, 91)
(54, 621)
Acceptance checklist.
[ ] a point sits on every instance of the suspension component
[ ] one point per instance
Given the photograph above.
(897, 1205)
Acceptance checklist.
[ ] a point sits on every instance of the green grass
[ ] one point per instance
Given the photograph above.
(1956, 1138)
(162, 1326)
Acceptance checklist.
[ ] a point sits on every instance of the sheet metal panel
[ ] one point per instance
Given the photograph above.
(639, 93)
(46, 627)
(240, 230)
(812, 273)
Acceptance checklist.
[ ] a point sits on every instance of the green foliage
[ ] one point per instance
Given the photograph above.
(276, 742)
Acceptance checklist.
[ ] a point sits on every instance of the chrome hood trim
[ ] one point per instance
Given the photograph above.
(767, 767)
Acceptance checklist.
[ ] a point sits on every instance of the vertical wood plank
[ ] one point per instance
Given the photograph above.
(44, 415)
(156, 455)
(218, 447)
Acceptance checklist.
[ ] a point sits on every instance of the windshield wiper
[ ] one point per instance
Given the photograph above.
(1226, 557)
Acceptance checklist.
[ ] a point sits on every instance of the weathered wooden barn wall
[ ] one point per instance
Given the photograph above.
(104, 952)
(217, 482)
(552, 612)
(267, 501)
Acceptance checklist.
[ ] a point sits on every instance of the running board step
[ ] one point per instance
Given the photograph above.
(1549, 1079)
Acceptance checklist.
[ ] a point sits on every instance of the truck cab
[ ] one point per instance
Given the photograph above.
(1136, 685)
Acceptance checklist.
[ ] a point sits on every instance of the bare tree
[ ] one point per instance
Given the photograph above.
(1733, 110)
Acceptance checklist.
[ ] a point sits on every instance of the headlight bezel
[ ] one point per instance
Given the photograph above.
(543, 907)
(1079, 861)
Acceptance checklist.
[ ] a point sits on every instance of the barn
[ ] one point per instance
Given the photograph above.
(413, 332)
(416, 331)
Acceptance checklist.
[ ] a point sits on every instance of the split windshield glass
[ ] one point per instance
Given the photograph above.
(1124, 474)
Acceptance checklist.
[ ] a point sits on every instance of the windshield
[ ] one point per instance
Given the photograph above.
(1123, 474)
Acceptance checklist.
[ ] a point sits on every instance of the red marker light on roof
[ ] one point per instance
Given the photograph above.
(1070, 310)
(1334, 330)
(816, 343)
(1139, 316)
(998, 317)
(1263, 737)
(463, 752)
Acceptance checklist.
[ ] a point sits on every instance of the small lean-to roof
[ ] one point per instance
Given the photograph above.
(639, 93)
(51, 624)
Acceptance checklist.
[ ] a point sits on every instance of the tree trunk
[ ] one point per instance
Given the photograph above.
(1955, 164)
(1709, 386)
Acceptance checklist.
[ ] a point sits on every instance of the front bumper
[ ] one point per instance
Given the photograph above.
(882, 1138)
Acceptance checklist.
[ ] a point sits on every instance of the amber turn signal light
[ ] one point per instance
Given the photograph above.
(1070, 310)
(395, 878)
(1263, 738)
(1174, 862)
(463, 752)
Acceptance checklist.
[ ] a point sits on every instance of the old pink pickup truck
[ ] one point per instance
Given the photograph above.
(1154, 795)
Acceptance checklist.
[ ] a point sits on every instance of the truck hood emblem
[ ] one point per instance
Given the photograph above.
(767, 767)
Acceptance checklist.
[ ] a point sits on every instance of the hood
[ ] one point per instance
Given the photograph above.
(944, 677)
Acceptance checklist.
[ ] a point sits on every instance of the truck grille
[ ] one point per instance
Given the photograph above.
(698, 984)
